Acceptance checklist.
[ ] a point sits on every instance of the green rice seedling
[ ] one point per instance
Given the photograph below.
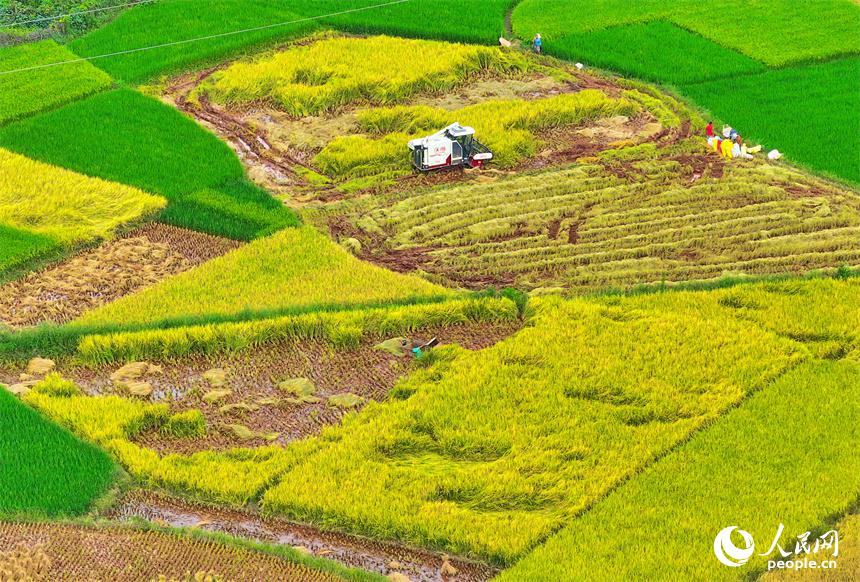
(143, 135)
(46, 470)
(295, 269)
(776, 33)
(28, 92)
(171, 21)
(19, 248)
(332, 73)
(655, 51)
(537, 428)
(341, 328)
(786, 456)
(186, 424)
(804, 111)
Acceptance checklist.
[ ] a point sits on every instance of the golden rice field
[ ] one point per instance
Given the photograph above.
(633, 337)
(331, 73)
(65, 206)
(627, 217)
(295, 269)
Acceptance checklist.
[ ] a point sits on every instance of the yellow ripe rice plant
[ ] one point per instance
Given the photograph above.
(487, 452)
(67, 207)
(293, 270)
(232, 476)
(341, 328)
(506, 126)
(335, 72)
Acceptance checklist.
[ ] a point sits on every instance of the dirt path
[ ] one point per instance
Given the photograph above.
(354, 551)
(105, 273)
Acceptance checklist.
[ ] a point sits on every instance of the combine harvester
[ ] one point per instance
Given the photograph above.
(453, 147)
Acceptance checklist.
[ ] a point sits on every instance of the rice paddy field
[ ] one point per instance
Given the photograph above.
(241, 338)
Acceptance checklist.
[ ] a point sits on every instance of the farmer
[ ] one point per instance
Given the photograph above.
(709, 129)
(739, 149)
(537, 42)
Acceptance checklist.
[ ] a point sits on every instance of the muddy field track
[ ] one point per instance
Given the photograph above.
(105, 273)
(354, 551)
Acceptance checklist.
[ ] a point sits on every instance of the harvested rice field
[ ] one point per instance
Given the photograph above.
(352, 551)
(105, 273)
(72, 553)
(410, 293)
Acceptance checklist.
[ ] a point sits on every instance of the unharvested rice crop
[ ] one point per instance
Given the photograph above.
(343, 329)
(46, 471)
(126, 137)
(507, 127)
(489, 452)
(809, 112)
(20, 247)
(171, 21)
(786, 456)
(28, 92)
(65, 206)
(631, 216)
(777, 32)
(655, 51)
(293, 270)
(233, 476)
(332, 73)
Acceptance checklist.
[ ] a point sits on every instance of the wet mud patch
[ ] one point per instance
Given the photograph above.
(105, 273)
(354, 551)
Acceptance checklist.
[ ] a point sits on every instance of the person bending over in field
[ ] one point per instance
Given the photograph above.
(537, 42)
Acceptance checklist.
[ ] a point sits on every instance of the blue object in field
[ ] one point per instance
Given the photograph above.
(416, 352)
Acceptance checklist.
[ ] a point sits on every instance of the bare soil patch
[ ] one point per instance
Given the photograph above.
(120, 554)
(105, 273)
(354, 551)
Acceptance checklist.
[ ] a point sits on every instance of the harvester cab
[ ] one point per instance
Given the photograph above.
(453, 147)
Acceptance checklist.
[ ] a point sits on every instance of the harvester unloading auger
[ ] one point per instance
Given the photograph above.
(453, 147)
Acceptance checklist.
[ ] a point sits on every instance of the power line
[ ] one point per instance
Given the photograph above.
(59, 16)
(200, 38)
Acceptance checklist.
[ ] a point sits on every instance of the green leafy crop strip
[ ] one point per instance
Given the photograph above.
(46, 470)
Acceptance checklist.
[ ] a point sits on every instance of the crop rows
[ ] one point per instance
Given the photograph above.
(507, 127)
(587, 394)
(70, 553)
(343, 329)
(332, 73)
(586, 227)
(28, 92)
